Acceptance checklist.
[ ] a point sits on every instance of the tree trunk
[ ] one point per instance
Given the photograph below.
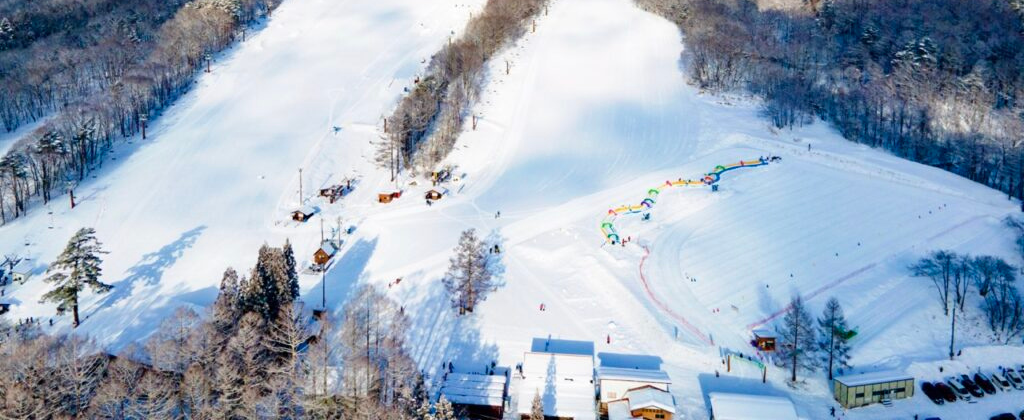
(74, 310)
(796, 339)
(831, 350)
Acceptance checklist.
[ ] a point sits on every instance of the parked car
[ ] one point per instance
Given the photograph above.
(958, 388)
(1014, 379)
(972, 387)
(985, 383)
(1000, 381)
(929, 391)
(945, 391)
(1004, 416)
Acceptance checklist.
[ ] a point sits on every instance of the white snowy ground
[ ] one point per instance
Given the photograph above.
(594, 112)
(9, 139)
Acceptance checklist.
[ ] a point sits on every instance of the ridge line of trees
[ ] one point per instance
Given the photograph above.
(423, 128)
(97, 69)
(936, 82)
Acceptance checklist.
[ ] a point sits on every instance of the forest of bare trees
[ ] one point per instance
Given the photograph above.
(954, 276)
(94, 71)
(423, 128)
(257, 353)
(937, 82)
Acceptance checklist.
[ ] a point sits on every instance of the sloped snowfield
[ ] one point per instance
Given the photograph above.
(593, 113)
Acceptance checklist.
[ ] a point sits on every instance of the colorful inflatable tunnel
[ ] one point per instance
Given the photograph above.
(612, 235)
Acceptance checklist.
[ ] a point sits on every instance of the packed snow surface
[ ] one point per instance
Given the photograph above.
(594, 111)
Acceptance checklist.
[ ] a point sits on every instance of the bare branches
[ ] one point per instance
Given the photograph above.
(424, 127)
(933, 82)
(113, 65)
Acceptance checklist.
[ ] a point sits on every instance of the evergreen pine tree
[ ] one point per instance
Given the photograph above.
(226, 307)
(261, 294)
(423, 412)
(537, 409)
(75, 268)
(834, 342)
(469, 276)
(797, 337)
(444, 410)
(289, 282)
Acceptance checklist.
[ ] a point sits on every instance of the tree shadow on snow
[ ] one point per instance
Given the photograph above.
(439, 336)
(149, 270)
(339, 280)
(630, 361)
(765, 302)
(558, 345)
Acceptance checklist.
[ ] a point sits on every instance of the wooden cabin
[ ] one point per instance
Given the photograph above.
(433, 195)
(303, 213)
(647, 402)
(764, 340)
(615, 382)
(387, 197)
(21, 272)
(336, 192)
(324, 254)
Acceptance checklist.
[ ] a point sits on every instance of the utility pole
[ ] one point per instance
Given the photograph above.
(300, 187)
(142, 119)
(71, 193)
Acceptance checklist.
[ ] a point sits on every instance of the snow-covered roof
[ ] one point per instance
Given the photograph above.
(565, 383)
(873, 378)
(474, 389)
(564, 365)
(650, 397)
(727, 406)
(762, 332)
(633, 375)
(619, 410)
(306, 210)
(328, 246)
(22, 266)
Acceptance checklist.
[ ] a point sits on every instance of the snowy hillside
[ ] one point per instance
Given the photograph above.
(594, 112)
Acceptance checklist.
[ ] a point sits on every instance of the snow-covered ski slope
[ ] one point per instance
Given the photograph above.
(216, 176)
(593, 113)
